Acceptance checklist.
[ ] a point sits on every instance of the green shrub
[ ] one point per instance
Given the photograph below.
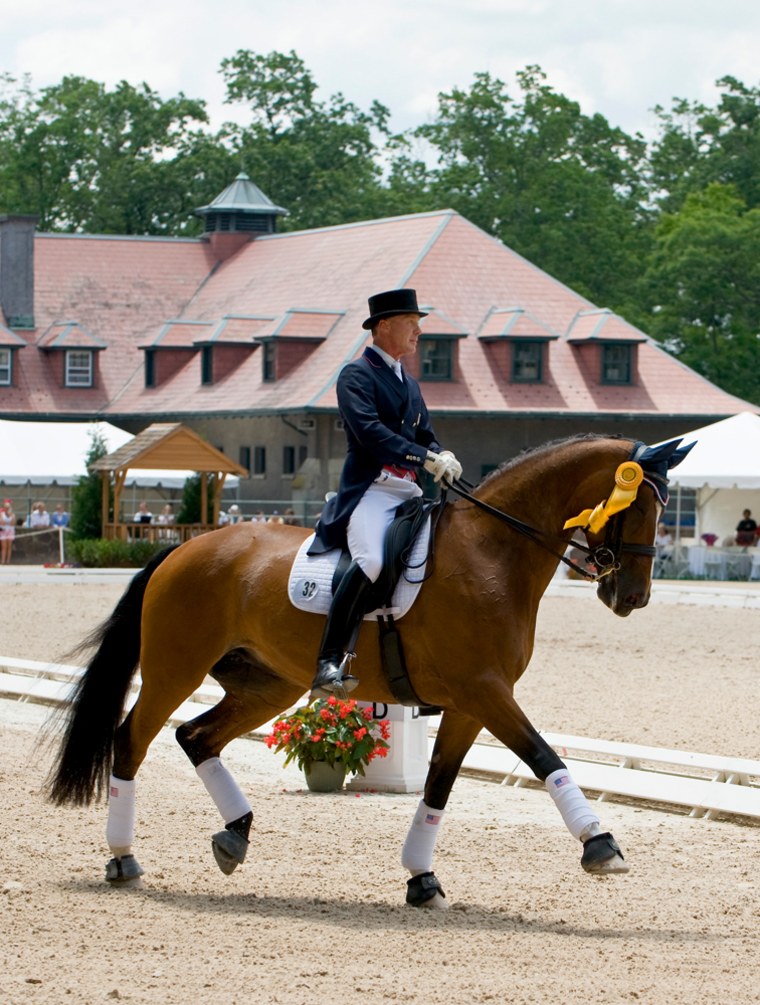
(99, 553)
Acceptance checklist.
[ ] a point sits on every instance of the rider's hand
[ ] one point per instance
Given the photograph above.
(443, 465)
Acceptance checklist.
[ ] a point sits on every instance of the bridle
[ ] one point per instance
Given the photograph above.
(606, 555)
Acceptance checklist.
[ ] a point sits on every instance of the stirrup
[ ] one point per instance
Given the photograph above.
(338, 685)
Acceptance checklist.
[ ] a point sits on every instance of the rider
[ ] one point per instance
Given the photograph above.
(389, 439)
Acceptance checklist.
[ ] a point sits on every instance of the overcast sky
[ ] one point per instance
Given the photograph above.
(616, 57)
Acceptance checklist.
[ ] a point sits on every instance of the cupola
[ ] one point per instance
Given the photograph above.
(237, 215)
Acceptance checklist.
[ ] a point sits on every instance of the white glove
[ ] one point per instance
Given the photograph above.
(443, 465)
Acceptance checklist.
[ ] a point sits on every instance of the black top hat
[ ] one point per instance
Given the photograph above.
(385, 305)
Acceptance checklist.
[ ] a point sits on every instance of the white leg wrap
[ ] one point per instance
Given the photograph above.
(223, 789)
(417, 854)
(579, 818)
(120, 829)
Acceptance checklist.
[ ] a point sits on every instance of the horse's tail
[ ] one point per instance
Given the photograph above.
(94, 710)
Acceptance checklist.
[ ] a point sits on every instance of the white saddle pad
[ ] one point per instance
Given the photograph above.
(310, 582)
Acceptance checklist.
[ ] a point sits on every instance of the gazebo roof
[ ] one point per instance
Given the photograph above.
(169, 446)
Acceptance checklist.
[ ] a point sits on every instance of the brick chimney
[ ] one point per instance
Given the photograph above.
(17, 269)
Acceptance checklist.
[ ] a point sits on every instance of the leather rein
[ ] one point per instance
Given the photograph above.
(604, 556)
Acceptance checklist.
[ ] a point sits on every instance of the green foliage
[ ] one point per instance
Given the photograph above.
(86, 495)
(318, 159)
(100, 553)
(331, 730)
(703, 288)
(190, 507)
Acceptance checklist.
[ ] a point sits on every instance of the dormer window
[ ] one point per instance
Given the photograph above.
(78, 368)
(527, 362)
(436, 358)
(269, 362)
(616, 363)
(207, 365)
(6, 367)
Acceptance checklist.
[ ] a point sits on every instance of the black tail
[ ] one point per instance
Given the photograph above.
(96, 706)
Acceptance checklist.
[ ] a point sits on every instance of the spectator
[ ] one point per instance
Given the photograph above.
(663, 542)
(259, 517)
(7, 531)
(275, 517)
(223, 519)
(143, 514)
(39, 517)
(291, 518)
(746, 529)
(166, 516)
(234, 514)
(60, 517)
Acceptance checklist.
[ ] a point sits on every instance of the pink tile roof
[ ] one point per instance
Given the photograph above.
(132, 292)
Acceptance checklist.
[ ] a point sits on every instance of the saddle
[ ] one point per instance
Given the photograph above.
(407, 550)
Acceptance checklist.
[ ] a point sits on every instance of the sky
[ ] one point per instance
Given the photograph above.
(619, 58)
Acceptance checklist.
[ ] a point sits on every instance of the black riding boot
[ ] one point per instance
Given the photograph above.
(346, 611)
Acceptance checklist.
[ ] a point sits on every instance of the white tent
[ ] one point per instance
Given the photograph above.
(51, 451)
(724, 469)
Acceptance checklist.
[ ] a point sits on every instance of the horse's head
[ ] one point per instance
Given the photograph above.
(620, 529)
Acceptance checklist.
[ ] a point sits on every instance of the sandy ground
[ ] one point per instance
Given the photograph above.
(316, 913)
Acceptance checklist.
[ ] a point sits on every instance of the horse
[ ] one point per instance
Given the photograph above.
(218, 605)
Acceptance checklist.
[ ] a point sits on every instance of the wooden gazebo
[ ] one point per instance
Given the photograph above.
(164, 446)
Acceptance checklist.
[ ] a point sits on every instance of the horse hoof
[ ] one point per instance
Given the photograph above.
(436, 903)
(602, 856)
(124, 871)
(229, 850)
(426, 891)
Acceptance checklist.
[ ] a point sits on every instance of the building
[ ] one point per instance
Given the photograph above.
(241, 334)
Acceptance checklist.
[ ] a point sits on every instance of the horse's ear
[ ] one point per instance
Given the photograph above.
(679, 453)
(670, 453)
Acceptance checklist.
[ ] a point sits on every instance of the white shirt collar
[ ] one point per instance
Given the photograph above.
(394, 364)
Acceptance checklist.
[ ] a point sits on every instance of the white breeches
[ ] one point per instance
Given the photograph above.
(372, 518)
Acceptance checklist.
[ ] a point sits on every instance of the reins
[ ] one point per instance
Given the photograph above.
(463, 488)
(604, 556)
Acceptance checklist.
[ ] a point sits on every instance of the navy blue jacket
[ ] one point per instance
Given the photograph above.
(386, 422)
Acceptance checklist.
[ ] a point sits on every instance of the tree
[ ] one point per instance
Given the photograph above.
(698, 145)
(86, 495)
(84, 158)
(703, 288)
(317, 159)
(562, 188)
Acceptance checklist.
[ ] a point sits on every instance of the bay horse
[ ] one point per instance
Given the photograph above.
(218, 605)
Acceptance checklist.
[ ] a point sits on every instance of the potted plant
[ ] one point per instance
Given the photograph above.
(329, 738)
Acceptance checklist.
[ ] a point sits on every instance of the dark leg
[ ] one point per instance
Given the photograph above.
(346, 611)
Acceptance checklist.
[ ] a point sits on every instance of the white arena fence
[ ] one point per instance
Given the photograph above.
(707, 785)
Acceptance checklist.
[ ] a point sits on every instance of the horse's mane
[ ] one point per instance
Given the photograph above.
(533, 453)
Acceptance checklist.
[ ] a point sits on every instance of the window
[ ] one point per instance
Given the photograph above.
(288, 460)
(527, 362)
(259, 460)
(6, 367)
(616, 364)
(268, 362)
(436, 359)
(78, 368)
(244, 457)
(207, 365)
(150, 368)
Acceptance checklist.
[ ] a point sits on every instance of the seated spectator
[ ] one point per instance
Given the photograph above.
(663, 541)
(275, 517)
(60, 517)
(166, 516)
(291, 518)
(234, 514)
(143, 514)
(223, 519)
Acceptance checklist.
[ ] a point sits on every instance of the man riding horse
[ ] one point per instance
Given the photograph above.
(389, 439)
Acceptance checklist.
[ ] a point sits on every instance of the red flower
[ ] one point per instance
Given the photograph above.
(360, 733)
